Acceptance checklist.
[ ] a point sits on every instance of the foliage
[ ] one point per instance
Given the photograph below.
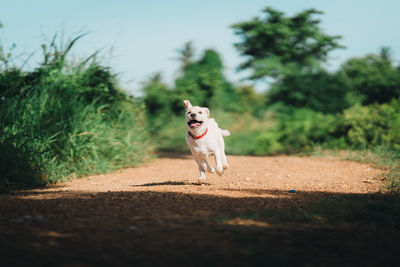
(296, 130)
(373, 77)
(250, 101)
(186, 54)
(276, 44)
(373, 125)
(203, 82)
(64, 120)
(319, 91)
(158, 99)
(20, 165)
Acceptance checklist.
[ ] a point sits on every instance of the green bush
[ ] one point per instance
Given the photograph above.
(65, 120)
(245, 129)
(372, 125)
(170, 136)
(20, 167)
(296, 130)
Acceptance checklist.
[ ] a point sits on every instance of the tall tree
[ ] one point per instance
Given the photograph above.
(1, 47)
(373, 77)
(158, 97)
(277, 44)
(319, 90)
(186, 54)
(204, 82)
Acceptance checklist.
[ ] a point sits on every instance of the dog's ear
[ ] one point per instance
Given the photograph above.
(207, 112)
(187, 104)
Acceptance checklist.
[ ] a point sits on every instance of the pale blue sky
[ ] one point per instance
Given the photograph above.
(144, 35)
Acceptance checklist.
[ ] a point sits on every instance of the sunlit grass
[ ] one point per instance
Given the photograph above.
(66, 120)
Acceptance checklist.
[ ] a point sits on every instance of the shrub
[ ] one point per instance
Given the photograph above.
(372, 125)
(300, 129)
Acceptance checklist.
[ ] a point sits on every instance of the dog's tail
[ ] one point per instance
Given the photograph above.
(225, 133)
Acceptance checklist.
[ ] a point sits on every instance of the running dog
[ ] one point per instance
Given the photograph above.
(204, 139)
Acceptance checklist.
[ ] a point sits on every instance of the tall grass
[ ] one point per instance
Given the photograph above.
(64, 120)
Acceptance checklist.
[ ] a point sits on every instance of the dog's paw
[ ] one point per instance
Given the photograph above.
(225, 166)
(220, 171)
(201, 181)
(212, 170)
(202, 178)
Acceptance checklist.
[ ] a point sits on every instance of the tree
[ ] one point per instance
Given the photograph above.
(320, 91)
(1, 48)
(373, 77)
(186, 54)
(203, 81)
(158, 97)
(250, 100)
(277, 44)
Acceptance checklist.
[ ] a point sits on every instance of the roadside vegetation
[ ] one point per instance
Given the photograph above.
(67, 119)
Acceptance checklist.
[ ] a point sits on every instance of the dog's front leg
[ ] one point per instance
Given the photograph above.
(202, 168)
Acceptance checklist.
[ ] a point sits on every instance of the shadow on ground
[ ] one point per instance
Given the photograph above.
(183, 183)
(175, 229)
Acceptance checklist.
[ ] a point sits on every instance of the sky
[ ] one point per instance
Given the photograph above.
(139, 38)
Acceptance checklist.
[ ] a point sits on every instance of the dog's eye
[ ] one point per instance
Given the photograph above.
(200, 112)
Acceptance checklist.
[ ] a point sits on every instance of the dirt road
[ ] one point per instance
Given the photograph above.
(159, 215)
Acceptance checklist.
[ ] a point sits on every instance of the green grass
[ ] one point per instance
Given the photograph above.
(66, 120)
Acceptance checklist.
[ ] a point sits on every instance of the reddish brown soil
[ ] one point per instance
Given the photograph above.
(159, 215)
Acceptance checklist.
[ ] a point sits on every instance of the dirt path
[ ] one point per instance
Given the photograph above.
(158, 215)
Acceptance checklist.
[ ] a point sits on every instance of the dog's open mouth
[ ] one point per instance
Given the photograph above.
(194, 124)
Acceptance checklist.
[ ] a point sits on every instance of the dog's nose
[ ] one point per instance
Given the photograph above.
(192, 115)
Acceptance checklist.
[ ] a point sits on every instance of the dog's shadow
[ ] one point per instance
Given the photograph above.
(171, 183)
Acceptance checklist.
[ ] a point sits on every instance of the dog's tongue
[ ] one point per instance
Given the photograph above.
(195, 124)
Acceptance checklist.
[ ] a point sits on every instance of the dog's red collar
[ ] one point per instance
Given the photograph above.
(200, 136)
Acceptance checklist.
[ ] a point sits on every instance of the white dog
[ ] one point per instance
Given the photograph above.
(204, 139)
